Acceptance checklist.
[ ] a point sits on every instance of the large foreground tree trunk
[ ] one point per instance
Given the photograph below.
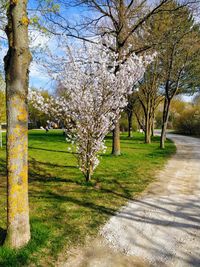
(116, 140)
(165, 121)
(17, 63)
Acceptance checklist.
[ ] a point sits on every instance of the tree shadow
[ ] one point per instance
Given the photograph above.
(51, 150)
(3, 167)
(2, 236)
(175, 221)
(38, 173)
(52, 196)
(35, 163)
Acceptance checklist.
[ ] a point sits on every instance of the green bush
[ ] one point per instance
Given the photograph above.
(188, 122)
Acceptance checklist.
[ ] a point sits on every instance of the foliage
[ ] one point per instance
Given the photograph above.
(188, 121)
(180, 39)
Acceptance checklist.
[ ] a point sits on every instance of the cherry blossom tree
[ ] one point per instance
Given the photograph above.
(95, 96)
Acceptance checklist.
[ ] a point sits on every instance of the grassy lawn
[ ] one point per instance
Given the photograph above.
(63, 208)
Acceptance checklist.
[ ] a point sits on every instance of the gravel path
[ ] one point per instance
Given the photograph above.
(162, 227)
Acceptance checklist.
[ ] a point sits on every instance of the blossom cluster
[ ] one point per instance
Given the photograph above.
(96, 94)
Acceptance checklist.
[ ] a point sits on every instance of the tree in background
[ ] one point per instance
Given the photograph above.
(149, 96)
(38, 118)
(132, 98)
(177, 54)
(17, 63)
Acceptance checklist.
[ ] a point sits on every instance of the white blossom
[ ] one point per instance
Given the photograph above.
(96, 95)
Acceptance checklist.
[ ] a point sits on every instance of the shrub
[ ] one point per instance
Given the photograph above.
(189, 121)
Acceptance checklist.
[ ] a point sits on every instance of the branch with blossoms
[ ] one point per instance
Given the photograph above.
(96, 96)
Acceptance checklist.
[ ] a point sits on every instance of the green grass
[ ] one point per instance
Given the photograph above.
(63, 208)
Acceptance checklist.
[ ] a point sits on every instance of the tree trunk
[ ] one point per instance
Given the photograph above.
(130, 124)
(88, 176)
(17, 63)
(147, 128)
(165, 121)
(153, 124)
(116, 140)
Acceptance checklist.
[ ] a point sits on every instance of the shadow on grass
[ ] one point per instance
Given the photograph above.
(3, 167)
(126, 138)
(47, 137)
(34, 162)
(2, 236)
(37, 172)
(51, 150)
(52, 196)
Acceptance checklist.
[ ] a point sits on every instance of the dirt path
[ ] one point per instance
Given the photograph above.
(162, 227)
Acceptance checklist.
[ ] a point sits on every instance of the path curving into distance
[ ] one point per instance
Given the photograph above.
(162, 227)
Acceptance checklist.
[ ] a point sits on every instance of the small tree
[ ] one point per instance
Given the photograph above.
(95, 96)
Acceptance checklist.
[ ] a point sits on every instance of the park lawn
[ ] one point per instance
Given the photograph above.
(64, 209)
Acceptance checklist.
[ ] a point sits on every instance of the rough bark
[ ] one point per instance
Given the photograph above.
(130, 123)
(165, 121)
(120, 47)
(148, 128)
(116, 140)
(17, 63)
(153, 123)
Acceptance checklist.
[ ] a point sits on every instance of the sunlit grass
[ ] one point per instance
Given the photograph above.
(64, 208)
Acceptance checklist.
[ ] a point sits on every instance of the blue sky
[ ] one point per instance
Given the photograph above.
(38, 77)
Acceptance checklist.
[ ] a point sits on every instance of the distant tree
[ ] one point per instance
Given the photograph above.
(177, 54)
(132, 98)
(38, 118)
(149, 96)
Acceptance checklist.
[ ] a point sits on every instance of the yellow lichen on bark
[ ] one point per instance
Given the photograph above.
(25, 21)
(14, 2)
(16, 68)
(22, 114)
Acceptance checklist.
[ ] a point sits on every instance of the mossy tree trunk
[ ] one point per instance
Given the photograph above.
(17, 63)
